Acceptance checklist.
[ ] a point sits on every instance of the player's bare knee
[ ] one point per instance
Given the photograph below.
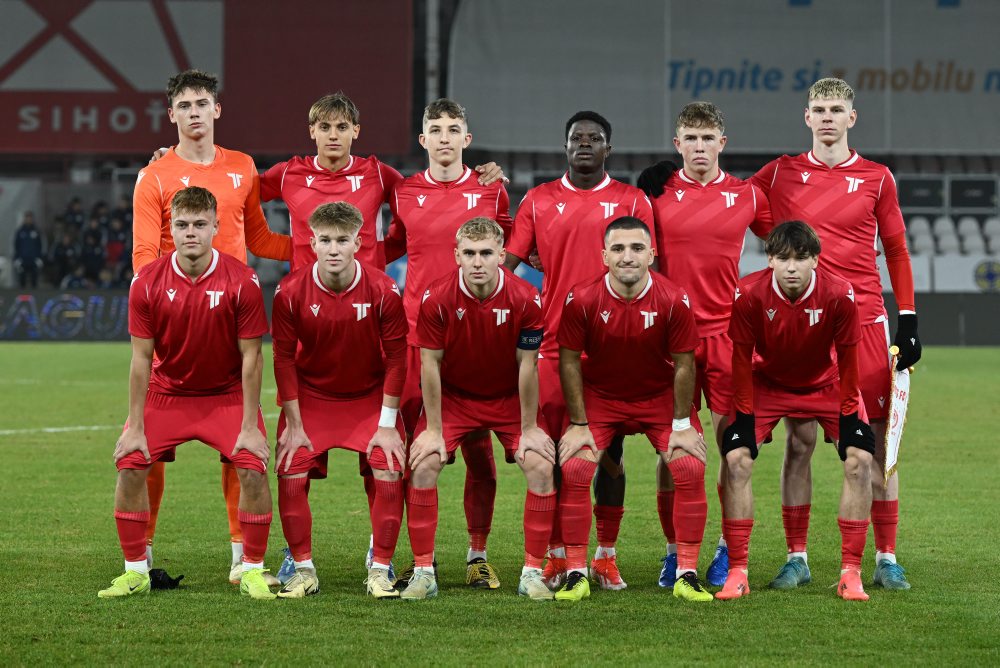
(425, 474)
(857, 465)
(538, 473)
(739, 463)
(385, 475)
(251, 480)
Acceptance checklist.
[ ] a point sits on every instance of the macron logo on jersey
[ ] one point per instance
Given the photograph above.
(738, 294)
(609, 208)
(605, 315)
(561, 206)
(256, 281)
(315, 309)
(569, 298)
(355, 182)
(853, 183)
(502, 314)
(420, 199)
(214, 298)
(814, 314)
(472, 199)
(309, 181)
(730, 199)
(850, 294)
(427, 293)
(138, 179)
(362, 310)
(680, 194)
(184, 180)
(460, 312)
(538, 301)
(237, 179)
(770, 313)
(170, 293)
(805, 176)
(647, 318)
(687, 302)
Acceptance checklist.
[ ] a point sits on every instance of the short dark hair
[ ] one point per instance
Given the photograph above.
(626, 223)
(336, 105)
(792, 238)
(442, 106)
(192, 80)
(589, 116)
(193, 200)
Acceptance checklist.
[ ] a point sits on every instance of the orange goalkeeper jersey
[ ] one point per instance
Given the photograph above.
(232, 177)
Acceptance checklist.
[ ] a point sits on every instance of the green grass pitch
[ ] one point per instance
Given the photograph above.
(58, 547)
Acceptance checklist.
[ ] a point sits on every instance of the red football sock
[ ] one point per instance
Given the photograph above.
(480, 489)
(255, 529)
(231, 492)
(853, 534)
(690, 509)
(154, 487)
(609, 521)
(665, 509)
(421, 523)
(539, 509)
(575, 508)
(885, 520)
(796, 521)
(132, 533)
(737, 535)
(387, 516)
(296, 516)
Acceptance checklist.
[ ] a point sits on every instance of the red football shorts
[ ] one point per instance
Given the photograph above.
(463, 415)
(713, 360)
(214, 420)
(412, 401)
(348, 424)
(550, 398)
(773, 402)
(873, 367)
(653, 417)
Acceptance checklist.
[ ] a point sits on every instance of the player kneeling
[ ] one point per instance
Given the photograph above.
(340, 362)
(201, 313)
(794, 315)
(479, 330)
(639, 336)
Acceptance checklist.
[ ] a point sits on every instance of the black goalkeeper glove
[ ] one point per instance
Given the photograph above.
(158, 579)
(907, 341)
(855, 433)
(742, 433)
(652, 179)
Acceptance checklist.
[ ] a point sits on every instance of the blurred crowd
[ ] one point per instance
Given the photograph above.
(78, 250)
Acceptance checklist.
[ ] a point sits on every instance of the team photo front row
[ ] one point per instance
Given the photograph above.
(354, 372)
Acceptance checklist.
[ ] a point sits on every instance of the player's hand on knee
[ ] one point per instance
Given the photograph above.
(389, 440)
(289, 441)
(535, 440)
(907, 341)
(855, 433)
(576, 438)
(131, 440)
(688, 440)
(251, 440)
(489, 173)
(428, 444)
(652, 179)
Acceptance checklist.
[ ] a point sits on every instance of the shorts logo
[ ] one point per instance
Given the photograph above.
(814, 314)
(237, 179)
(605, 315)
(184, 180)
(853, 183)
(502, 314)
(770, 313)
(680, 194)
(170, 293)
(460, 312)
(420, 199)
(315, 309)
(309, 181)
(214, 298)
(561, 206)
(881, 401)
(355, 182)
(805, 176)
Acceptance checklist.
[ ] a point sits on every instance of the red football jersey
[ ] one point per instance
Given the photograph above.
(628, 344)
(848, 205)
(700, 231)
(334, 342)
(794, 343)
(426, 216)
(567, 225)
(480, 338)
(303, 184)
(195, 324)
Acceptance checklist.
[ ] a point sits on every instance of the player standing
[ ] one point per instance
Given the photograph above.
(201, 313)
(192, 98)
(850, 202)
(479, 331)
(788, 319)
(639, 337)
(428, 209)
(339, 360)
(702, 216)
(565, 221)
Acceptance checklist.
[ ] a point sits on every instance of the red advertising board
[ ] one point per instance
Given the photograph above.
(87, 76)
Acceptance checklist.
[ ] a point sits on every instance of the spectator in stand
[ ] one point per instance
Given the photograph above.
(76, 280)
(102, 214)
(29, 249)
(93, 233)
(118, 243)
(123, 210)
(64, 257)
(92, 256)
(75, 218)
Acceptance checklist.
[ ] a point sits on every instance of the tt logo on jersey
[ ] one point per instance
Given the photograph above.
(805, 176)
(609, 208)
(472, 199)
(214, 298)
(561, 206)
(647, 318)
(170, 293)
(184, 180)
(502, 314)
(730, 199)
(355, 182)
(680, 194)
(309, 181)
(770, 313)
(605, 315)
(315, 309)
(362, 310)
(237, 179)
(420, 199)
(460, 312)
(814, 314)
(853, 183)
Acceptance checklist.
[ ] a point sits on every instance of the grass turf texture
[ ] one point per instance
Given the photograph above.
(59, 547)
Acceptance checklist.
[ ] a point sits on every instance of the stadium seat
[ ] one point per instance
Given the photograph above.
(968, 226)
(948, 244)
(922, 244)
(973, 244)
(991, 228)
(918, 224)
(943, 225)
